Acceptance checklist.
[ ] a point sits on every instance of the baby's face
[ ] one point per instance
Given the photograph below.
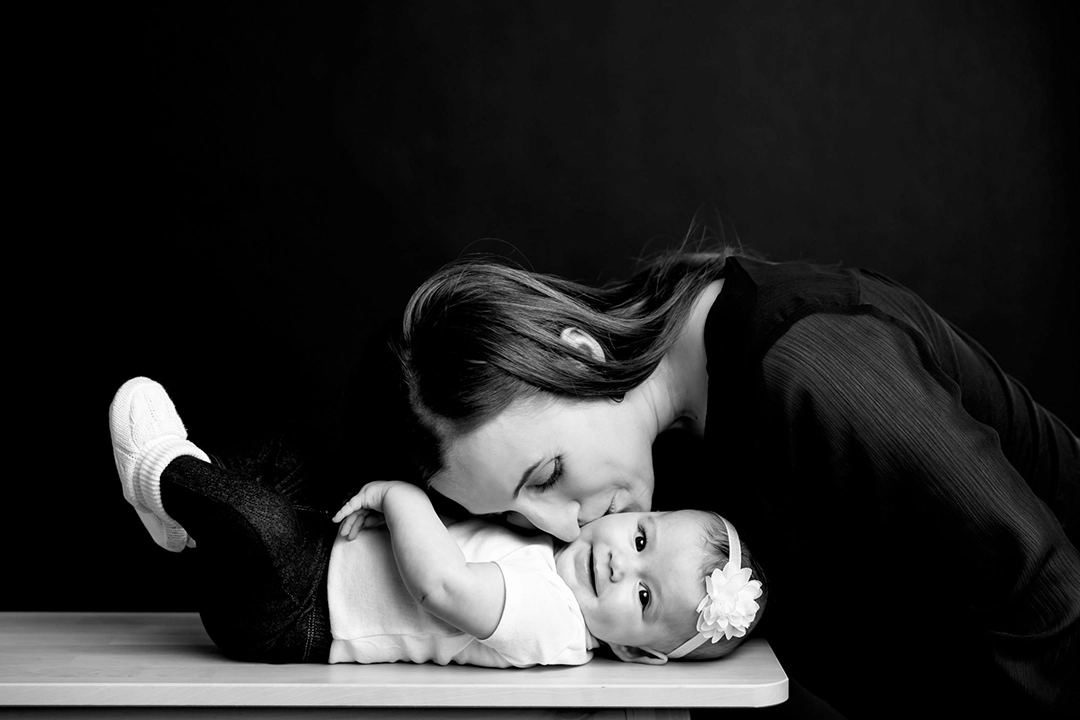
(637, 577)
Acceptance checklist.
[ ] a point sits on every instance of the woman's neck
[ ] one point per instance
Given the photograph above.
(678, 391)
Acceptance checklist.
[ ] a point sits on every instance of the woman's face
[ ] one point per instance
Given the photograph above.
(553, 462)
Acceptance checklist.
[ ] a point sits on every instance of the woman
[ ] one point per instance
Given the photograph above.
(915, 509)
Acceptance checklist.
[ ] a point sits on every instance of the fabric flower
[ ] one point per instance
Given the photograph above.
(729, 605)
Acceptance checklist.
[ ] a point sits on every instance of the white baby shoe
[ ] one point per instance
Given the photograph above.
(147, 435)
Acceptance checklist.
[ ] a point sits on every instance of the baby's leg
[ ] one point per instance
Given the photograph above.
(262, 557)
(262, 560)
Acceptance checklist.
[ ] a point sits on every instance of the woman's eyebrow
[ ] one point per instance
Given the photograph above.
(525, 476)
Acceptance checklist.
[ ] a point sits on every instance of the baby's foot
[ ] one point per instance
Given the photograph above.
(147, 435)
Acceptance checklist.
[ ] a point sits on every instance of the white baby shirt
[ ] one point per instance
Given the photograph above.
(374, 619)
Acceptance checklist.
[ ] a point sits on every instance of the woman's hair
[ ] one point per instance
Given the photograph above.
(717, 551)
(481, 333)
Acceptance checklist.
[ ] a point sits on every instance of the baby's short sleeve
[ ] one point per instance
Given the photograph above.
(541, 622)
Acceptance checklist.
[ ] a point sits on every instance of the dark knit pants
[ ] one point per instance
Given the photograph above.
(262, 552)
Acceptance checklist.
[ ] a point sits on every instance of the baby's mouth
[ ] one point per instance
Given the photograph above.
(592, 570)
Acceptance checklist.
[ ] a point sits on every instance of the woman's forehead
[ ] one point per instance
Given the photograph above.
(515, 437)
(524, 433)
(477, 468)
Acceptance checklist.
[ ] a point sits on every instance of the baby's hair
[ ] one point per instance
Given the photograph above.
(716, 556)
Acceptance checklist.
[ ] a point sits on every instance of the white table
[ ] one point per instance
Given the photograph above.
(164, 665)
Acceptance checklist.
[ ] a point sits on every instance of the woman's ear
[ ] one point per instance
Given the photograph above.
(582, 340)
(645, 656)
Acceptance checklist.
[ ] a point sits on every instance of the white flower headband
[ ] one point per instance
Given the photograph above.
(729, 604)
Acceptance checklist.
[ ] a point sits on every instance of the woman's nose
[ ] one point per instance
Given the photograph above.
(560, 521)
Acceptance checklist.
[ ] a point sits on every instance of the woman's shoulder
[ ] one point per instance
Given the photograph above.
(760, 301)
(817, 346)
(763, 302)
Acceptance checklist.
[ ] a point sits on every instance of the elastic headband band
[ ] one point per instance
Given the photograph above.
(729, 604)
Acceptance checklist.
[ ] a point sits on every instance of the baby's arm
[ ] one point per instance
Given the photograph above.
(469, 596)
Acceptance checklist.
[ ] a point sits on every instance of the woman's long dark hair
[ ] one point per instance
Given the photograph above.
(481, 333)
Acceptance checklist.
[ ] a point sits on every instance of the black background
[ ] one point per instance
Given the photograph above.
(237, 198)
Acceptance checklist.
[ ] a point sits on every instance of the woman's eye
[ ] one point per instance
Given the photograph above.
(643, 596)
(553, 479)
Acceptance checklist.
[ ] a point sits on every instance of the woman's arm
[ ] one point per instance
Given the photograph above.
(469, 596)
(871, 415)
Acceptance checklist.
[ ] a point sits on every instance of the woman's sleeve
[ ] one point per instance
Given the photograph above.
(867, 396)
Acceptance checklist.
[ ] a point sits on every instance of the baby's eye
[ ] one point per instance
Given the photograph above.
(643, 596)
(641, 541)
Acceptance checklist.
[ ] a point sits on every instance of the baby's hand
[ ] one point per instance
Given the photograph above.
(365, 509)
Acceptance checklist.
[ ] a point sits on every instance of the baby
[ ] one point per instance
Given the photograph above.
(630, 581)
(281, 586)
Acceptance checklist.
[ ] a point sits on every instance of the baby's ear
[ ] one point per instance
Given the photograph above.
(645, 656)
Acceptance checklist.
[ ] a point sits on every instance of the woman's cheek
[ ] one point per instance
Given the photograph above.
(518, 520)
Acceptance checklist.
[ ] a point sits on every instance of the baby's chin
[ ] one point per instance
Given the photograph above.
(664, 645)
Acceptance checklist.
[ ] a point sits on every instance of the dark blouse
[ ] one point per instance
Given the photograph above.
(915, 511)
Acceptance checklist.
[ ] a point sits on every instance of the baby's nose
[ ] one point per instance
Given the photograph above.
(617, 566)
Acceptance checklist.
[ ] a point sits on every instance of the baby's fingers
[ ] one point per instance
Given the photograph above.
(365, 521)
(357, 527)
(351, 521)
(349, 507)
